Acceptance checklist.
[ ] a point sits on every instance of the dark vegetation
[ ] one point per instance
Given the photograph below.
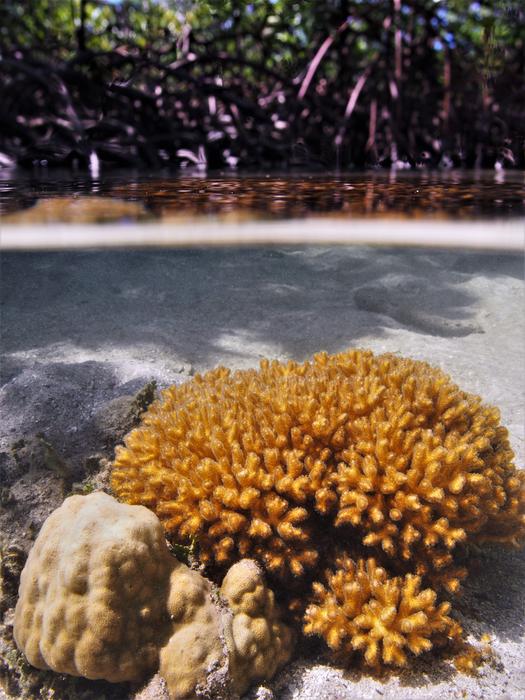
(266, 84)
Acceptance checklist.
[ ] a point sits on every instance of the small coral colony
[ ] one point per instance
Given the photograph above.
(355, 481)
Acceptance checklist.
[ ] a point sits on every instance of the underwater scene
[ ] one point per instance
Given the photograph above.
(262, 350)
(262, 435)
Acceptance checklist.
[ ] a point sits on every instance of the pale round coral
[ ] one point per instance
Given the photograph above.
(217, 648)
(102, 597)
(92, 599)
(196, 655)
(261, 642)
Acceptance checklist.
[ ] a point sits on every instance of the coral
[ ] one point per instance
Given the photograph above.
(196, 653)
(260, 642)
(364, 610)
(226, 647)
(90, 601)
(385, 445)
(379, 453)
(101, 596)
(469, 657)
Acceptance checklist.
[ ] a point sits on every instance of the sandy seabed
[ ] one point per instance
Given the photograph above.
(83, 330)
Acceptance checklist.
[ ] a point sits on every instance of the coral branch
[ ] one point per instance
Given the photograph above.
(362, 610)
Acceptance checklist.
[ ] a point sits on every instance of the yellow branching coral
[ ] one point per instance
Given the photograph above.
(364, 610)
(381, 452)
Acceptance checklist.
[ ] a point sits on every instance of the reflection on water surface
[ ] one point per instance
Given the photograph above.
(452, 194)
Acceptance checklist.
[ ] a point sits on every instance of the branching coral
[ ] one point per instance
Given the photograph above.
(385, 450)
(362, 609)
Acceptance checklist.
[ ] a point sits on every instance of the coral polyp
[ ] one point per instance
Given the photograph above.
(380, 453)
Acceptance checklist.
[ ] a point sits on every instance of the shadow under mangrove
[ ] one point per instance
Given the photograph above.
(205, 306)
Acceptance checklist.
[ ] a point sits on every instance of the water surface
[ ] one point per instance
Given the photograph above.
(59, 196)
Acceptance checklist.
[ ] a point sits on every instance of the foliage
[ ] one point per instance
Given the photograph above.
(275, 82)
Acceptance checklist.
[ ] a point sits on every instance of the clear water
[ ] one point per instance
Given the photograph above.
(81, 329)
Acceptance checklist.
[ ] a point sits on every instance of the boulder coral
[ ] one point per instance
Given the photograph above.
(260, 642)
(217, 648)
(384, 455)
(101, 596)
(91, 592)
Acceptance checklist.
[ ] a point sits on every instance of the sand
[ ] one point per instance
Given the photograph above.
(80, 330)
